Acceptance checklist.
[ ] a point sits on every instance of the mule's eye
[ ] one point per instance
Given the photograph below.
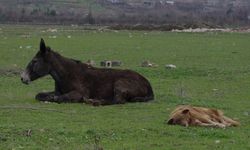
(34, 61)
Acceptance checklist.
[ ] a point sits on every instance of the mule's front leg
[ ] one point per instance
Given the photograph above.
(45, 96)
(96, 102)
(71, 97)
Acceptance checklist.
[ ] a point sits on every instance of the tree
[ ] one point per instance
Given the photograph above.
(90, 19)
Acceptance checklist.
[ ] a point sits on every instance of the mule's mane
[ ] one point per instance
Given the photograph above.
(66, 59)
(57, 55)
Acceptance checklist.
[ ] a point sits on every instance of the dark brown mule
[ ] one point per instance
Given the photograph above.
(79, 82)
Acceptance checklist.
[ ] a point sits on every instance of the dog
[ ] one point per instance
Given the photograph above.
(186, 115)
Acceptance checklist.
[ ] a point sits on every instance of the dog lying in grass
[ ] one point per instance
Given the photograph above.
(186, 115)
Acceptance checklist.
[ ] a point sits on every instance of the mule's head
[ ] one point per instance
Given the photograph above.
(38, 66)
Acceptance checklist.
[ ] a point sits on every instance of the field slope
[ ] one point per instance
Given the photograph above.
(213, 70)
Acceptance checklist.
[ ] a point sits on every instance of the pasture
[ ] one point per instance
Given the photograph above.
(213, 70)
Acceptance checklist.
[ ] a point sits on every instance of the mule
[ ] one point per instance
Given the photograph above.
(78, 82)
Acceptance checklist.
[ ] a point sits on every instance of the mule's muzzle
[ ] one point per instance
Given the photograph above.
(25, 81)
(25, 77)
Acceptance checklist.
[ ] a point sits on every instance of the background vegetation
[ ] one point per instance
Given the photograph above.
(233, 13)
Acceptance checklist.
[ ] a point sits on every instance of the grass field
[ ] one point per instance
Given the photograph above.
(213, 70)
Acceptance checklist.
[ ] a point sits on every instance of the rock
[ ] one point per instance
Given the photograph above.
(90, 62)
(25, 36)
(28, 47)
(217, 141)
(52, 37)
(52, 30)
(148, 64)
(110, 63)
(170, 66)
(246, 113)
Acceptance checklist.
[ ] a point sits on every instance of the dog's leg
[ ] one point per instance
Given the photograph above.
(230, 122)
(209, 124)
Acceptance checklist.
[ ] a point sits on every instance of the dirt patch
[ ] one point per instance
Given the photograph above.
(198, 27)
(164, 27)
(10, 72)
(141, 27)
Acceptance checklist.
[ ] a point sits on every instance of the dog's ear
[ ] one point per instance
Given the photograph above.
(185, 111)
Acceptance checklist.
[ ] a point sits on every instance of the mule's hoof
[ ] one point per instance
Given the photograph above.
(92, 102)
(96, 103)
(44, 97)
(39, 97)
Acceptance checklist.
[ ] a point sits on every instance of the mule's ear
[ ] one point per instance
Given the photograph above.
(42, 46)
(185, 111)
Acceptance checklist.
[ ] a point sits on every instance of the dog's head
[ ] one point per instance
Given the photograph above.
(180, 117)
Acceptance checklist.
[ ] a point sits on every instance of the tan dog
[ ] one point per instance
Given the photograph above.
(186, 115)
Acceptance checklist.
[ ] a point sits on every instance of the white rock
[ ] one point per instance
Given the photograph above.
(28, 47)
(217, 141)
(52, 37)
(148, 64)
(246, 113)
(52, 30)
(170, 66)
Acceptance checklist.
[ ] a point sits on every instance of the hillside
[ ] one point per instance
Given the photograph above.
(219, 12)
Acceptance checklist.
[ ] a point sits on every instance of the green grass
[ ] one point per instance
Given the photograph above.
(213, 70)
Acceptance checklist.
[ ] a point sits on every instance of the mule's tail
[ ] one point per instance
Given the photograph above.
(148, 97)
(142, 99)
